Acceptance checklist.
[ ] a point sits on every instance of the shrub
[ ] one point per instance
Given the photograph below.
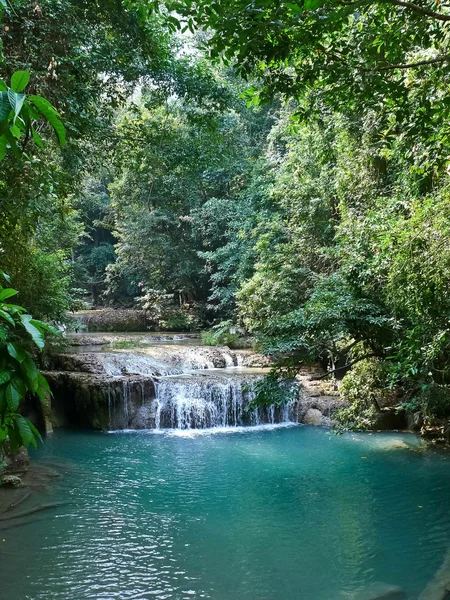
(179, 320)
(364, 389)
(225, 334)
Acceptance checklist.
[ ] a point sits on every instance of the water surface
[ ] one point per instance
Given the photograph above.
(275, 513)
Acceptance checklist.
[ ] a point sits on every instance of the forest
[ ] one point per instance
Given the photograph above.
(273, 170)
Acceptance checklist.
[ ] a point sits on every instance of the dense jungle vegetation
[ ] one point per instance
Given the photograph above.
(276, 167)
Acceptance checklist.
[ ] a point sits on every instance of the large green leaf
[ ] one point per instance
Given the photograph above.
(15, 131)
(52, 116)
(2, 398)
(16, 351)
(7, 293)
(11, 140)
(14, 438)
(43, 383)
(5, 276)
(35, 431)
(12, 397)
(13, 309)
(5, 106)
(16, 101)
(3, 144)
(7, 317)
(3, 433)
(19, 80)
(46, 326)
(19, 383)
(36, 335)
(37, 138)
(31, 372)
(43, 390)
(27, 436)
(5, 376)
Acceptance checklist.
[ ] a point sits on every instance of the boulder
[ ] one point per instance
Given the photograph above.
(93, 401)
(19, 463)
(10, 481)
(414, 421)
(313, 417)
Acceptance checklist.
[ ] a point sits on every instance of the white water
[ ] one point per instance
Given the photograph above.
(194, 389)
(192, 403)
(116, 364)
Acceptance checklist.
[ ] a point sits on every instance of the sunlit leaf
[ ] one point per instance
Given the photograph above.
(19, 80)
(52, 116)
(36, 335)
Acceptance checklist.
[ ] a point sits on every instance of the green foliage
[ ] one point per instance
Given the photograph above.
(180, 319)
(19, 375)
(432, 401)
(353, 264)
(81, 61)
(277, 388)
(364, 389)
(225, 333)
(178, 172)
(20, 116)
(319, 223)
(388, 57)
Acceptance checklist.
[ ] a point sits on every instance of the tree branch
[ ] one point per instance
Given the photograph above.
(347, 349)
(420, 10)
(347, 366)
(431, 61)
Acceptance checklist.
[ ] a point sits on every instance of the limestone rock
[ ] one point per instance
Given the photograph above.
(414, 421)
(313, 417)
(439, 587)
(389, 420)
(382, 591)
(10, 481)
(18, 463)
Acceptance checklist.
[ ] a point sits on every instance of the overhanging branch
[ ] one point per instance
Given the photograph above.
(347, 366)
(431, 61)
(420, 10)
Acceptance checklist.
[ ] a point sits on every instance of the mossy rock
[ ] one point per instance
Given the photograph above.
(10, 481)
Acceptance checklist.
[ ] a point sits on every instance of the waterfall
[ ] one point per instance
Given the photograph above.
(126, 402)
(109, 405)
(198, 403)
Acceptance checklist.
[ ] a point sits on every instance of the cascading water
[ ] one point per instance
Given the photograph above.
(173, 387)
(198, 403)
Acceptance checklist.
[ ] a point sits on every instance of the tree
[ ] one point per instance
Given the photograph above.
(390, 57)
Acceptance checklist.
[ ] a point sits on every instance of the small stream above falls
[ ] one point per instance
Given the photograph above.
(160, 385)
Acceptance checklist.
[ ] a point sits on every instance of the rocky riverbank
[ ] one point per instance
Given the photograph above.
(112, 381)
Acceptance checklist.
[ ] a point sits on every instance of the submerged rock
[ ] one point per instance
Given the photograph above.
(382, 591)
(439, 587)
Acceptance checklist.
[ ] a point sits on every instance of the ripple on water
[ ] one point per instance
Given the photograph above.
(273, 513)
